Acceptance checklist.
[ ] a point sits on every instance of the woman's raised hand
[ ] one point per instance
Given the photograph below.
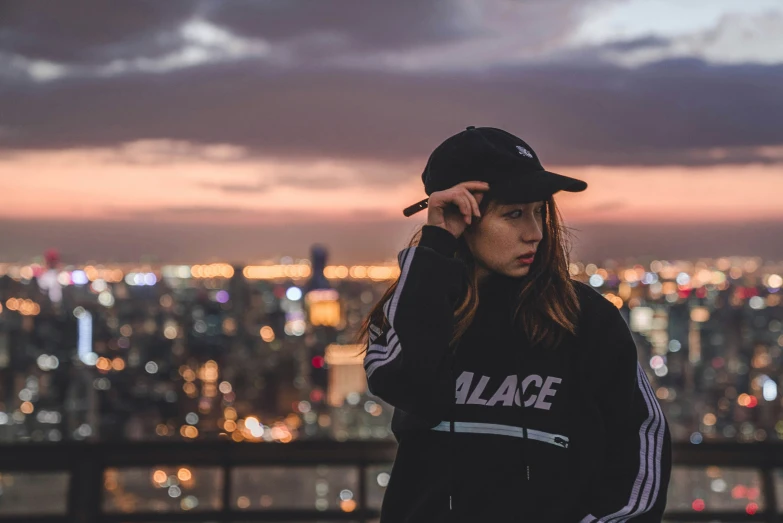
(454, 208)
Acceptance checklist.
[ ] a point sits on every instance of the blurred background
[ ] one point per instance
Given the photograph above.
(200, 201)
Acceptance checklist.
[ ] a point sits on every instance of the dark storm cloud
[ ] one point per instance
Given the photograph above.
(574, 110)
(602, 114)
(89, 31)
(95, 31)
(646, 42)
(368, 25)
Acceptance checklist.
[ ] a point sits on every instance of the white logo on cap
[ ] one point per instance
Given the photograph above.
(524, 151)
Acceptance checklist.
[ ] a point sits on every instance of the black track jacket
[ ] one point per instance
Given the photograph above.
(494, 430)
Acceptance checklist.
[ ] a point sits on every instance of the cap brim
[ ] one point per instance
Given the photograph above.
(536, 186)
(531, 187)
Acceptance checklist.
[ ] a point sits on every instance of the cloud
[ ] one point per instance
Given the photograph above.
(244, 188)
(163, 151)
(298, 80)
(194, 209)
(319, 176)
(738, 39)
(265, 184)
(734, 39)
(635, 44)
(43, 44)
(350, 23)
(665, 113)
(608, 205)
(90, 31)
(198, 42)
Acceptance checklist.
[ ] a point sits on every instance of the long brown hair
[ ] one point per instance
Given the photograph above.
(547, 307)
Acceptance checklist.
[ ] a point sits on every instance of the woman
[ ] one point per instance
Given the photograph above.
(517, 392)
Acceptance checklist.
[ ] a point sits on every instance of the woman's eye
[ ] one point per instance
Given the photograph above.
(518, 213)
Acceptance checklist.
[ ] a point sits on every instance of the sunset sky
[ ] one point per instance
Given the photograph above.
(190, 131)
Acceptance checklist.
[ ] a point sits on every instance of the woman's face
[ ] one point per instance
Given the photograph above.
(503, 235)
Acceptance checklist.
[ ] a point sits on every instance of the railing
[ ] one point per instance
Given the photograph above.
(764, 458)
(86, 467)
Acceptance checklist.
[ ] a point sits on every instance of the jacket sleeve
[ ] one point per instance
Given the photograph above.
(634, 483)
(408, 362)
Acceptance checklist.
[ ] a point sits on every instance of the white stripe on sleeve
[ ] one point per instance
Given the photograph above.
(380, 355)
(650, 445)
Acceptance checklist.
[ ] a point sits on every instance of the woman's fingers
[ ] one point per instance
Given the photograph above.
(465, 196)
(464, 205)
(469, 188)
(474, 186)
(473, 203)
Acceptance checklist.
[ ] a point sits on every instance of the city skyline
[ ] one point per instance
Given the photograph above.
(201, 131)
(238, 331)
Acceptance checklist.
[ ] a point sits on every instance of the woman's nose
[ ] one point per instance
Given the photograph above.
(532, 234)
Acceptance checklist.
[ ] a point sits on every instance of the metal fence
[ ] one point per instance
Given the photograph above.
(88, 469)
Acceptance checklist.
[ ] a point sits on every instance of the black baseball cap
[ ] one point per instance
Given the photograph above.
(507, 163)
